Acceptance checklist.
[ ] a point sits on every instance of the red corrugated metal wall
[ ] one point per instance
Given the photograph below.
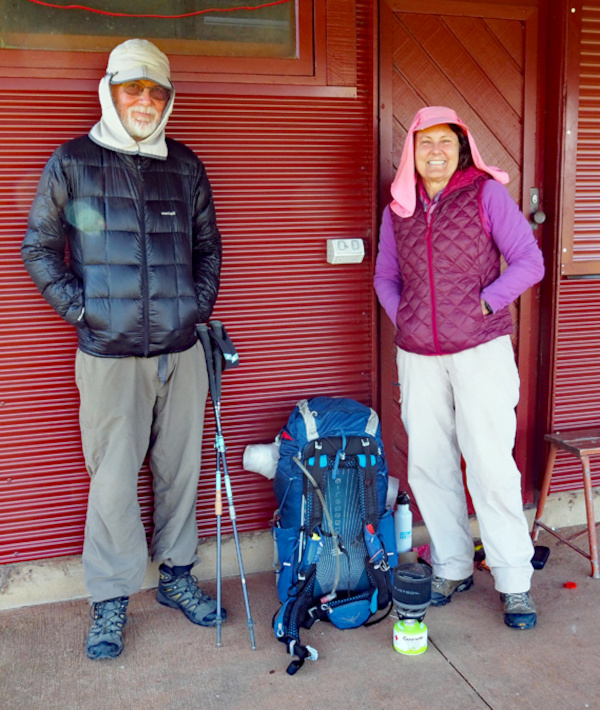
(287, 174)
(577, 356)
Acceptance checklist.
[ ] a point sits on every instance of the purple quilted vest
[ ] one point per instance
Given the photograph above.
(444, 265)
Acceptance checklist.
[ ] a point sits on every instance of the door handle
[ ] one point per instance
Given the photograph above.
(536, 215)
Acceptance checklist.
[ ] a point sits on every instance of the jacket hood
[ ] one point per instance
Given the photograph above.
(110, 133)
(403, 187)
(130, 60)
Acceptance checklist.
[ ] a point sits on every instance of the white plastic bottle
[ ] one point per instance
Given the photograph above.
(403, 523)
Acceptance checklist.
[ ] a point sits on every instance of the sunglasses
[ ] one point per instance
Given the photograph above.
(136, 88)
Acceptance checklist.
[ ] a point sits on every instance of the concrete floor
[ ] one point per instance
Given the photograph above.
(473, 660)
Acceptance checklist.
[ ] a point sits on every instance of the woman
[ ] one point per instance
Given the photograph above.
(438, 278)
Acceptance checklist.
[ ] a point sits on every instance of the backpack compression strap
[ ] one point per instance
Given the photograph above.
(376, 563)
(293, 614)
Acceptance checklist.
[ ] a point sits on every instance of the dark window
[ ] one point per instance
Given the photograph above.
(192, 27)
(268, 40)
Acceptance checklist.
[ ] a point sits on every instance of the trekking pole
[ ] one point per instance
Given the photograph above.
(218, 513)
(217, 328)
(215, 365)
(206, 345)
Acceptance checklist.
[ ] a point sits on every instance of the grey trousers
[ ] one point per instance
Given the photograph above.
(129, 407)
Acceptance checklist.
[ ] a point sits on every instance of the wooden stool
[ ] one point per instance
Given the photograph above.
(581, 443)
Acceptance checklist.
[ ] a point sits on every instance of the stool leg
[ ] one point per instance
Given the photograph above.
(544, 491)
(591, 518)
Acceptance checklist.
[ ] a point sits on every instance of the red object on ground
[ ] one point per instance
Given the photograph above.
(571, 585)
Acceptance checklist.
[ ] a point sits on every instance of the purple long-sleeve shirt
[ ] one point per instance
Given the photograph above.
(512, 236)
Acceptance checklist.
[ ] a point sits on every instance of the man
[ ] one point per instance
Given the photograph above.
(136, 211)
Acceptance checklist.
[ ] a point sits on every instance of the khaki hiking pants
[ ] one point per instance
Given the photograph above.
(131, 406)
(465, 403)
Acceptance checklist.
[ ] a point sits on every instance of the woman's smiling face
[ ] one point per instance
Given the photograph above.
(436, 156)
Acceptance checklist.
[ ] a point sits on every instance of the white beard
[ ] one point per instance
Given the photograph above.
(138, 129)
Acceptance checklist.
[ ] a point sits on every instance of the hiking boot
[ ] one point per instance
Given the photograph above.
(179, 590)
(519, 610)
(443, 589)
(105, 638)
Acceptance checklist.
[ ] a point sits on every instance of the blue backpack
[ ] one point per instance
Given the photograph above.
(334, 536)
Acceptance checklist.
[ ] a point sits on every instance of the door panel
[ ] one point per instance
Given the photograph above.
(481, 60)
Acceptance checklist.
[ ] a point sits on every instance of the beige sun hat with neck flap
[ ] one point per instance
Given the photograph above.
(139, 59)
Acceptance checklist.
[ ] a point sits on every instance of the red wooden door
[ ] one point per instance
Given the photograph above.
(481, 59)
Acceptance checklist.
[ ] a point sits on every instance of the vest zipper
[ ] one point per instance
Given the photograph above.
(144, 264)
(428, 239)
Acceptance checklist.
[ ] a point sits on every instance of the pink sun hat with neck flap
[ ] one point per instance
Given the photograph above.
(403, 188)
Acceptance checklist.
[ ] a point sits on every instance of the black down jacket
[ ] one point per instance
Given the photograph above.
(144, 249)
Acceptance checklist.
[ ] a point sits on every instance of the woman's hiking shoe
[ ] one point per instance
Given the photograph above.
(179, 590)
(443, 589)
(105, 638)
(519, 610)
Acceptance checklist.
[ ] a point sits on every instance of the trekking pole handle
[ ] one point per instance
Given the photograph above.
(217, 328)
(204, 336)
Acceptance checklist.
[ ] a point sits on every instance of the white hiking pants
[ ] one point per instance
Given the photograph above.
(466, 403)
(131, 406)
